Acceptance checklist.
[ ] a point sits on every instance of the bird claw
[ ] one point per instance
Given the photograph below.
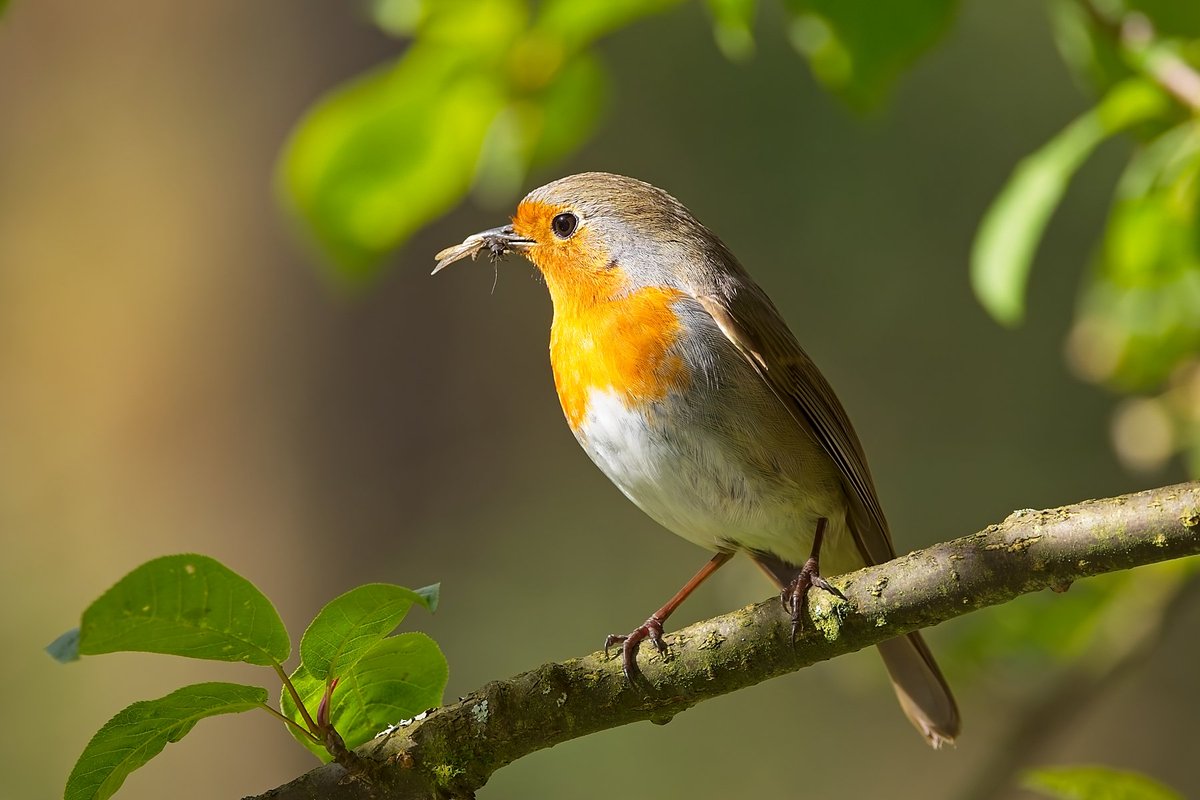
(651, 629)
(794, 596)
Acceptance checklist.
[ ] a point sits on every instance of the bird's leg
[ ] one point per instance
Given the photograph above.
(652, 628)
(795, 595)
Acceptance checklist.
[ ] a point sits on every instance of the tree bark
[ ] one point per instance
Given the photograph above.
(453, 750)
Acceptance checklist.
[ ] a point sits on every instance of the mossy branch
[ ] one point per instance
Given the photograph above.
(455, 749)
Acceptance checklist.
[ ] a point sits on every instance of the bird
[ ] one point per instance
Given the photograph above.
(681, 380)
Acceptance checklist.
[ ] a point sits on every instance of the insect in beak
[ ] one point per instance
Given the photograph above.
(497, 241)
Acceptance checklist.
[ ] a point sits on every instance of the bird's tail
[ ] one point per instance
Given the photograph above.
(921, 689)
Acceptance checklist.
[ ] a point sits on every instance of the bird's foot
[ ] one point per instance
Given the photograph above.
(795, 595)
(651, 629)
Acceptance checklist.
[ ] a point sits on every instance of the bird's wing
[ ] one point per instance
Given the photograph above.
(751, 322)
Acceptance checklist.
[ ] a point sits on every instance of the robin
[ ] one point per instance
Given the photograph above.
(682, 382)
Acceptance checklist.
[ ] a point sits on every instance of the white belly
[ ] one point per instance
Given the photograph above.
(719, 486)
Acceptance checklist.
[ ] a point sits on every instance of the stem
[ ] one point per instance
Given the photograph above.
(296, 725)
(287, 682)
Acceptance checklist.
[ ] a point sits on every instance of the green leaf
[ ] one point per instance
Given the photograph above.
(352, 624)
(1096, 783)
(186, 605)
(141, 731)
(389, 152)
(1008, 236)
(858, 48)
(1139, 314)
(733, 27)
(399, 678)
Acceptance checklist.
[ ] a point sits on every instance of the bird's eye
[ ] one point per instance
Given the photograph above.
(564, 225)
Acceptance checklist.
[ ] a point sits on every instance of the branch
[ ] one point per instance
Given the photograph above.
(455, 749)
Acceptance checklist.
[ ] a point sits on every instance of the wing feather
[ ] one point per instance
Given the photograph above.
(746, 316)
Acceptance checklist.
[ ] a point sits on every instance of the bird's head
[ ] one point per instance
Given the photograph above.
(600, 234)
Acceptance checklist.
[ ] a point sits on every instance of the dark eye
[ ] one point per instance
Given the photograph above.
(564, 225)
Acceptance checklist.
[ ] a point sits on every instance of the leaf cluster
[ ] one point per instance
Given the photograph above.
(487, 90)
(191, 605)
(1137, 325)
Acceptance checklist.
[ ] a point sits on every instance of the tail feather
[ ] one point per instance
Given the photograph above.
(921, 689)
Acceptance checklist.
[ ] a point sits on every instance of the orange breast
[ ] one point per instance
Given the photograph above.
(604, 336)
(621, 344)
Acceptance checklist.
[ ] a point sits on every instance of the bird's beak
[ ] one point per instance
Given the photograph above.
(497, 241)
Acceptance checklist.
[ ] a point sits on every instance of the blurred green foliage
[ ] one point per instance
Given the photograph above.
(1096, 783)
(488, 90)
(858, 48)
(1137, 325)
(1146, 288)
(1009, 234)
(733, 27)
(1095, 624)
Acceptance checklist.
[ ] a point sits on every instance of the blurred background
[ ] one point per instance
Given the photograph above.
(178, 374)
